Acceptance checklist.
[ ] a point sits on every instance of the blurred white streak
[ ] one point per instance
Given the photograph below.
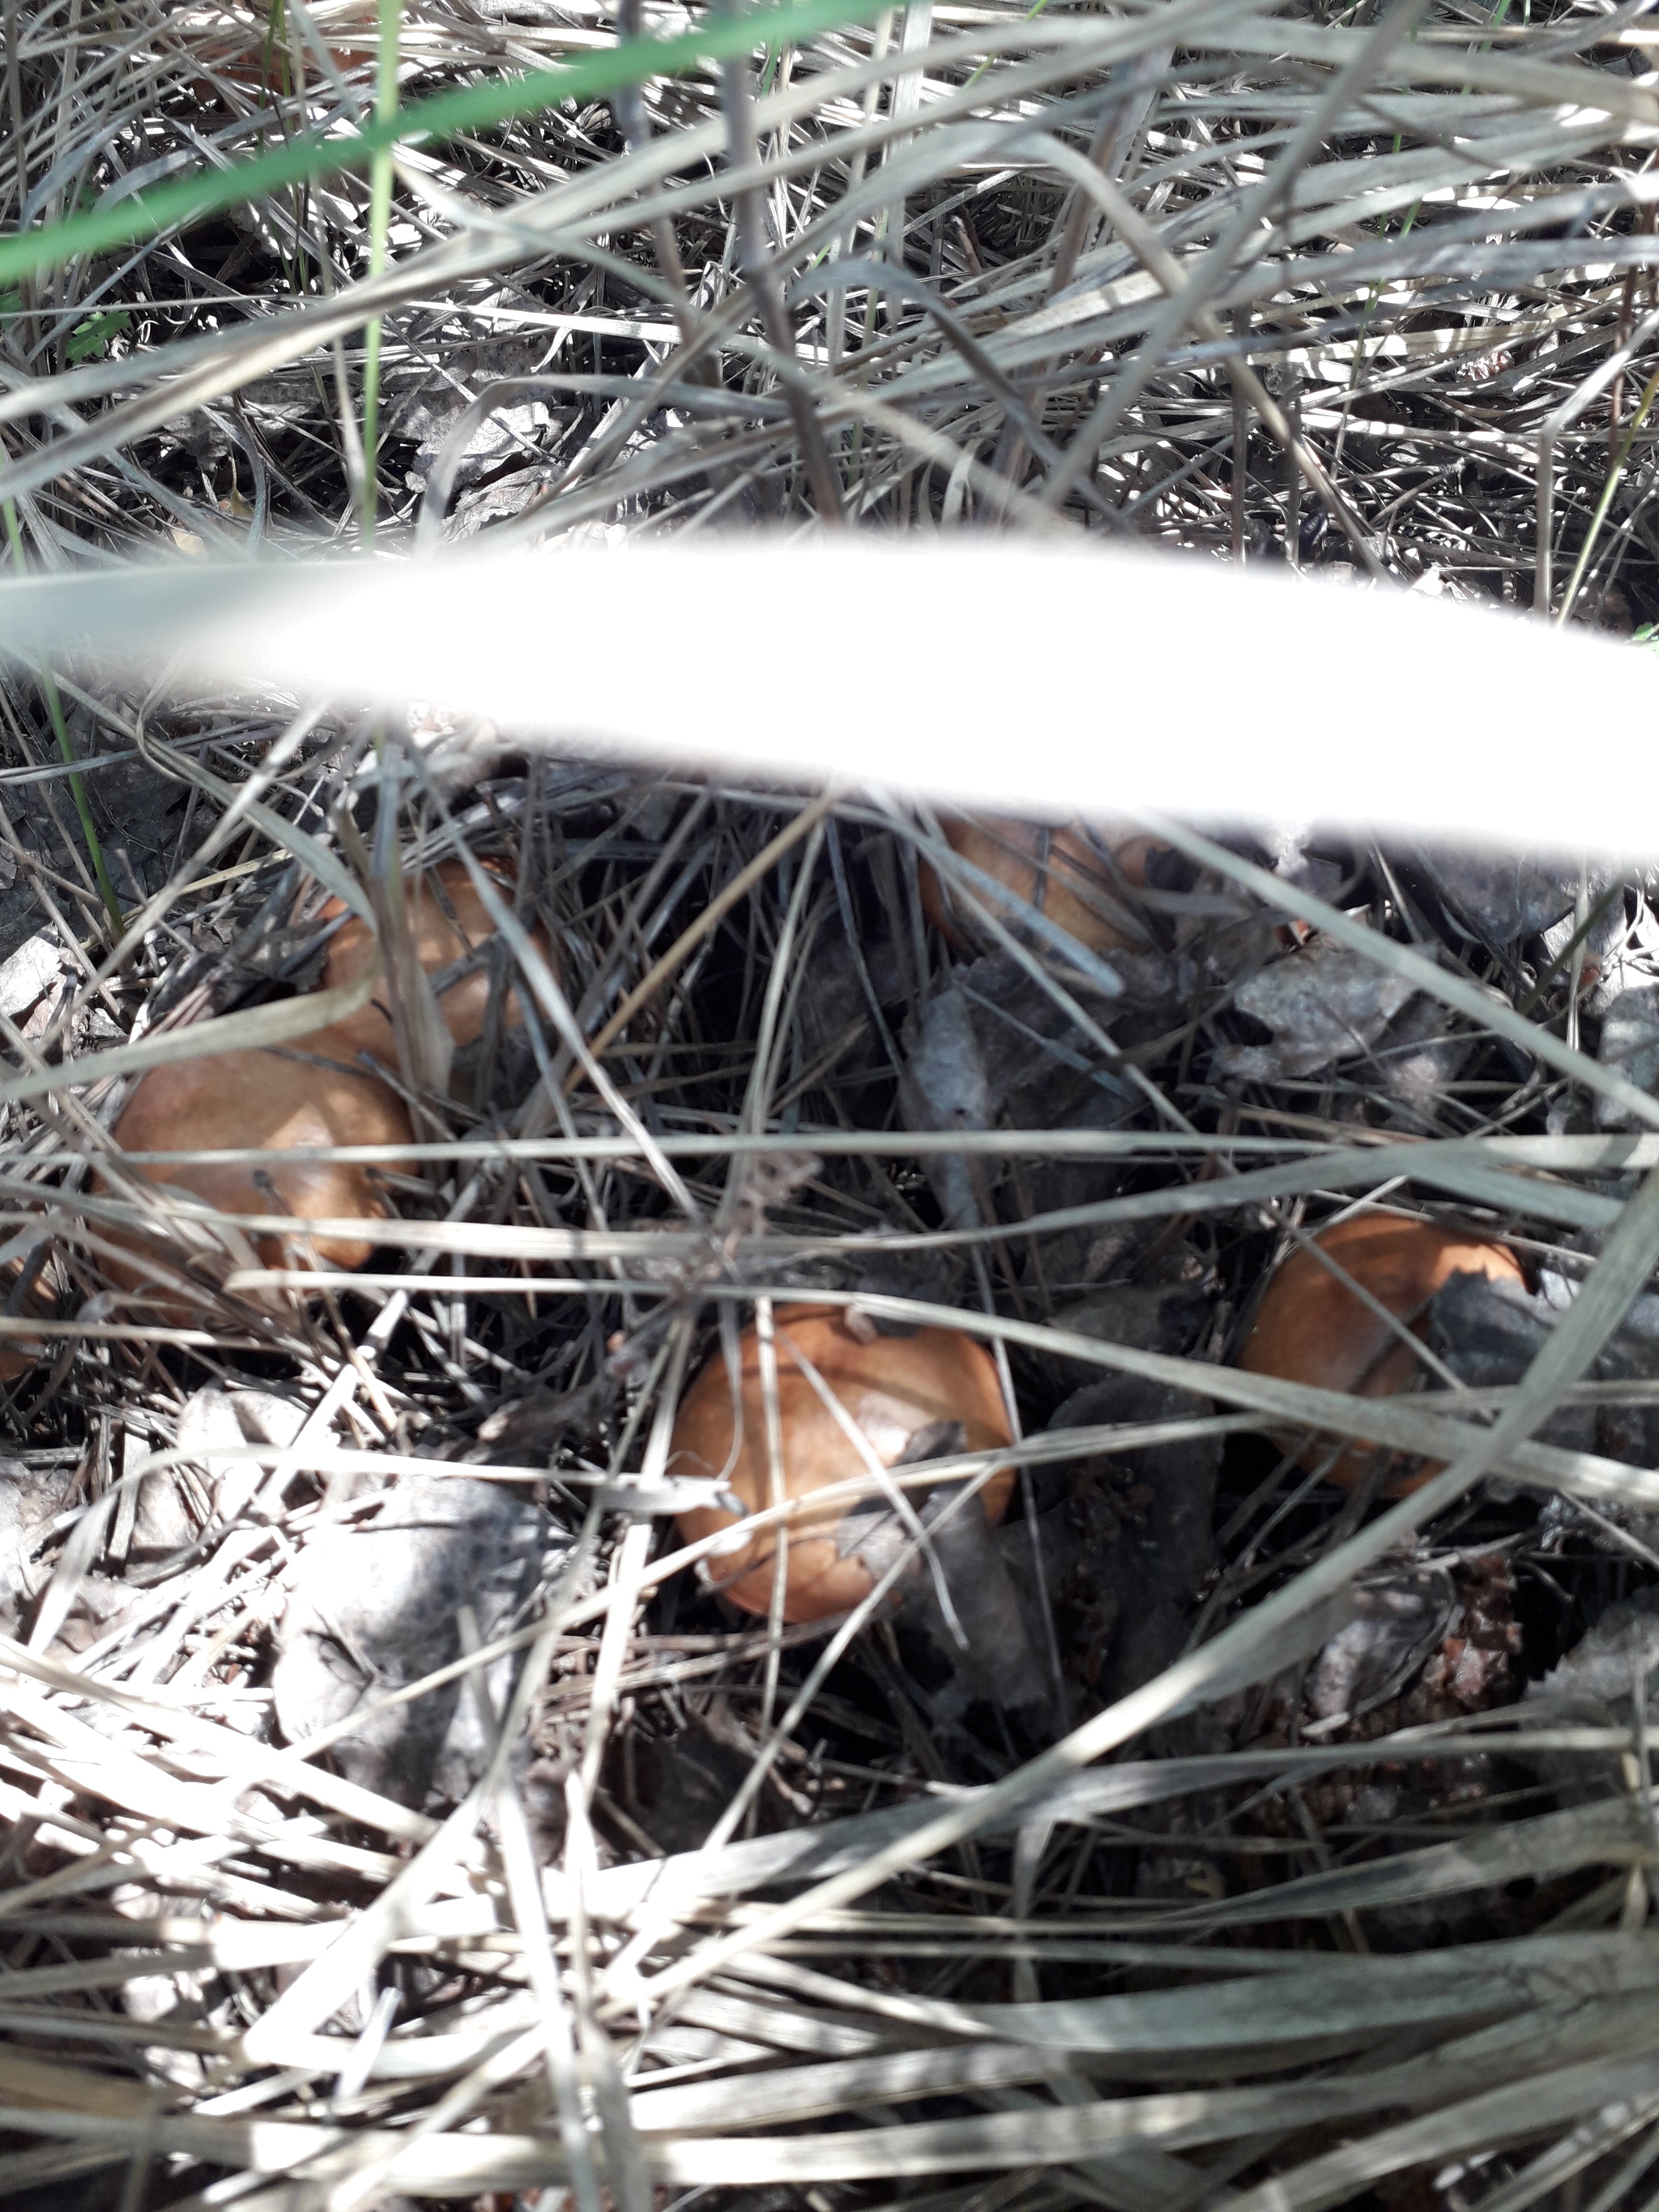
(1057, 681)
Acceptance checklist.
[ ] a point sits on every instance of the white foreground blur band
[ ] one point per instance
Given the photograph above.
(1059, 682)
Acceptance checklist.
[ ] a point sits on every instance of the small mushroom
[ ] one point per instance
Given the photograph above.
(449, 920)
(30, 1302)
(251, 57)
(1074, 874)
(307, 1095)
(1310, 1327)
(890, 1390)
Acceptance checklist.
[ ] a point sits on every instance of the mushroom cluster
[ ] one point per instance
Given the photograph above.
(846, 1405)
(314, 1094)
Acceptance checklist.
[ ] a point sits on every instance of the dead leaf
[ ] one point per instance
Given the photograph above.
(1323, 1003)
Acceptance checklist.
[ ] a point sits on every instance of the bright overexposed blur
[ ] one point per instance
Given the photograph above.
(1063, 681)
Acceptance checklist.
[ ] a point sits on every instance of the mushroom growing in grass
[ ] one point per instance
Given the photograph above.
(451, 927)
(23, 1297)
(1318, 1322)
(1075, 875)
(895, 1398)
(309, 1095)
(254, 53)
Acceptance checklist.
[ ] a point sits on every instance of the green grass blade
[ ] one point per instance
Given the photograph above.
(474, 107)
(380, 219)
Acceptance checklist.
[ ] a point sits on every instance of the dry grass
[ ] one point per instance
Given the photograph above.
(931, 1950)
(1202, 272)
(1409, 263)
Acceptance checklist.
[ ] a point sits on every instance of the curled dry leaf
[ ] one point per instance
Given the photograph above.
(1630, 1043)
(1489, 1328)
(945, 1086)
(508, 432)
(1431, 1642)
(1631, 1432)
(992, 1045)
(1302, 855)
(1324, 1003)
(374, 1606)
(1501, 896)
(1424, 1048)
(1616, 954)
(1594, 1685)
(971, 1597)
(1602, 1668)
(424, 403)
(1401, 1614)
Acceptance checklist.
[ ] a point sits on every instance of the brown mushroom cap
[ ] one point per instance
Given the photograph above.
(252, 56)
(305, 1095)
(441, 938)
(19, 1354)
(1061, 871)
(889, 1389)
(1311, 1328)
